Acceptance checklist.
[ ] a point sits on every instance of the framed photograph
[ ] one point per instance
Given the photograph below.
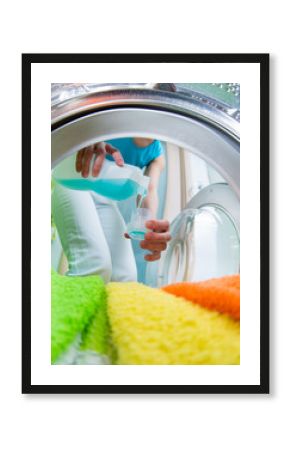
(145, 218)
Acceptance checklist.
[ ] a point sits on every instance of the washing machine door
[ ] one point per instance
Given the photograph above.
(205, 238)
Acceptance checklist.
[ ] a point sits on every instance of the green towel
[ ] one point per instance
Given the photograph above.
(78, 313)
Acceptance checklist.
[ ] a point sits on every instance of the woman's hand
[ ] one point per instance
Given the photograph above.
(100, 149)
(156, 239)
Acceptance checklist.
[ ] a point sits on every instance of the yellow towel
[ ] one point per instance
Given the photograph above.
(150, 326)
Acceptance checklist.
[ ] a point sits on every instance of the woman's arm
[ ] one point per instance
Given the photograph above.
(153, 171)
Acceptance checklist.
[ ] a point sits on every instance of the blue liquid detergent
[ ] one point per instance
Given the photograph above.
(138, 235)
(113, 188)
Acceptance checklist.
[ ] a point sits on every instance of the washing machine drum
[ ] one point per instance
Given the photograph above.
(205, 235)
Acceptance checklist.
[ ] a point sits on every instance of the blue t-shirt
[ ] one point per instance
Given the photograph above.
(134, 155)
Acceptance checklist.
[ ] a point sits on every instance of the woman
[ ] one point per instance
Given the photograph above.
(90, 226)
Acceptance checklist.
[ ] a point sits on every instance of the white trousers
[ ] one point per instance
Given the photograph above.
(91, 229)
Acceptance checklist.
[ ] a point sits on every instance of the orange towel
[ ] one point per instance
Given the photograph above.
(218, 294)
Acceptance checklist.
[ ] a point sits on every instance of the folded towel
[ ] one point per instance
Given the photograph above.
(151, 326)
(77, 304)
(218, 294)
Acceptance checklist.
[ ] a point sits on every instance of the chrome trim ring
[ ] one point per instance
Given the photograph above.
(186, 102)
(218, 149)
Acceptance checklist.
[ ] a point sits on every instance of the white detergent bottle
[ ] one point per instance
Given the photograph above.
(114, 182)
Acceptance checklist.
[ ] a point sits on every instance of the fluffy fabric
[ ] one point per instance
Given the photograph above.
(150, 326)
(218, 294)
(96, 336)
(74, 302)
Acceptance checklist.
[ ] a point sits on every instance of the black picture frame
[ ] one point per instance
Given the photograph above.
(263, 61)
